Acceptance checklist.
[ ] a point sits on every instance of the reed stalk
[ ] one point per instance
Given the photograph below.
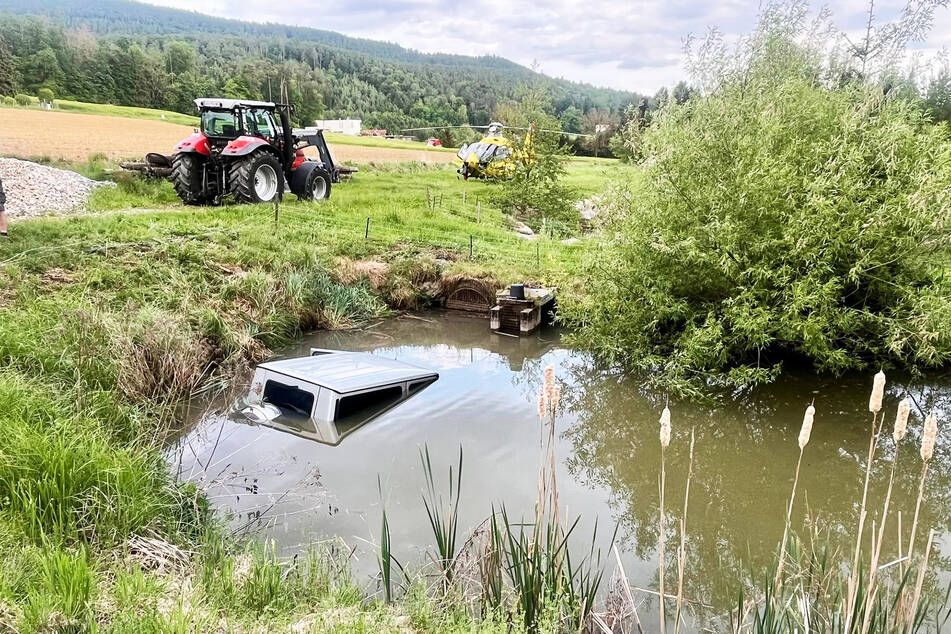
(627, 591)
(898, 433)
(916, 598)
(804, 434)
(662, 540)
(548, 402)
(928, 436)
(682, 551)
(874, 406)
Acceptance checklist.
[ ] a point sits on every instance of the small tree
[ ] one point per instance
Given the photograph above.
(534, 190)
(45, 95)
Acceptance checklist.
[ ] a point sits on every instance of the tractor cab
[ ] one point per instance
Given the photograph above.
(224, 120)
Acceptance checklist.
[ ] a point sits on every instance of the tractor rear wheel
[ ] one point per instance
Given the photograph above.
(187, 178)
(257, 178)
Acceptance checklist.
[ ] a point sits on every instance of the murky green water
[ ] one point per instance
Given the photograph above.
(297, 491)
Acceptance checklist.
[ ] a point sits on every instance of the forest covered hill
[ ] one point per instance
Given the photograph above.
(135, 54)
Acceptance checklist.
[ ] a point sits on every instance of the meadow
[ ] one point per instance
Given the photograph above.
(115, 315)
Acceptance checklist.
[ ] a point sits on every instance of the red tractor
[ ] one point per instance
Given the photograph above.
(242, 151)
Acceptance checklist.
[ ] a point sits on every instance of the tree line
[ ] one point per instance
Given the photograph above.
(133, 60)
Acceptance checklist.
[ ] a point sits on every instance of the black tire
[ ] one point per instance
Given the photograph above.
(243, 172)
(317, 186)
(187, 178)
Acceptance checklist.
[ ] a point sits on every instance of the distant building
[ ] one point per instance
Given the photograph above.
(342, 126)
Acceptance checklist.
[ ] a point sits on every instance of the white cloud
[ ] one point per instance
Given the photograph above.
(625, 44)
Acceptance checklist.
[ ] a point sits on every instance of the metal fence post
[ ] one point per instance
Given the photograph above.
(367, 234)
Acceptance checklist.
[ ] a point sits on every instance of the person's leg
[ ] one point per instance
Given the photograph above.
(3, 221)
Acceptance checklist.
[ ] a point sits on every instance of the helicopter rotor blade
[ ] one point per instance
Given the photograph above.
(552, 131)
(442, 127)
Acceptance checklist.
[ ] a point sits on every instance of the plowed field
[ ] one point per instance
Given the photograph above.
(26, 133)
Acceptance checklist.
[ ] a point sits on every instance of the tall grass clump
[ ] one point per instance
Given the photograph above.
(784, 213)
(443, 516)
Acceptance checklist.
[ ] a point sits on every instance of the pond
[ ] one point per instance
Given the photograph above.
(297, 492)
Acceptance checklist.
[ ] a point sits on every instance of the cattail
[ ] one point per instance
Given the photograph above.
(555, 397)
(929, 436)
(901, 420)
(665, 427)
(542, 406)
(878, 392)
(550, 388)
(549, 376)
(806, 426)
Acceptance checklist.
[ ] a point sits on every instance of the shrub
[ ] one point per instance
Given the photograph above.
(778, 219)
(534, 190)
(7, 100)
(23, 100)
(45, 94)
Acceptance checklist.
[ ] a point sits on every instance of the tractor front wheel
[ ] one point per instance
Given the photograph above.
(317, 186)
(187, 178)
(257, 178)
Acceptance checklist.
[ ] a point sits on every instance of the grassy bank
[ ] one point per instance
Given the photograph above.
(110, 318)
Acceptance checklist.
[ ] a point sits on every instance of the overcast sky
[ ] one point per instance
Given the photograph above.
(627, 44)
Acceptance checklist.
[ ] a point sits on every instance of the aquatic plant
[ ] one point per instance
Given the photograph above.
(804, 433)
(443, 517)
(662, 535)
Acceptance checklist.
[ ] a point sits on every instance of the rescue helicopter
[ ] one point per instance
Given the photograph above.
(495, 155)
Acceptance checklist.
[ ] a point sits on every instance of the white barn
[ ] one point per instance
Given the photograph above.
(343, 126)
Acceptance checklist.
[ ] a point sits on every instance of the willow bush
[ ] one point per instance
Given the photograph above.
(781, 217)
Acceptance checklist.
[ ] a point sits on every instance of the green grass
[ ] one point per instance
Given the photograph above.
(129, 112)
(111, 317)
(373, 141)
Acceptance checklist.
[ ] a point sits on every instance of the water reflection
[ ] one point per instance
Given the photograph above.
(608, 449)
(744, 463)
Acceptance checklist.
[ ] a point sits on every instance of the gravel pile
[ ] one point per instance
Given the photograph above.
(33, 189)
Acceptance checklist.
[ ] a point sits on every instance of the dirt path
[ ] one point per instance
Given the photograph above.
(40, 133)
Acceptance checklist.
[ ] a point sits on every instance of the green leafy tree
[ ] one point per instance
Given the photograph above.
(938, 94)
(43, 69)
(8, 70)
(535, 190)
(778, 218)
(570, 119)
(181, 57)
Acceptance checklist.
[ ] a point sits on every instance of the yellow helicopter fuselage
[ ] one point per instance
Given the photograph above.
(494, 156)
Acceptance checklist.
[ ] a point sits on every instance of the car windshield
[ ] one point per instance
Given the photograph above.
(219, 123)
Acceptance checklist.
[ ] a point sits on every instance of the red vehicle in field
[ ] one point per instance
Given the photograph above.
(247, 150)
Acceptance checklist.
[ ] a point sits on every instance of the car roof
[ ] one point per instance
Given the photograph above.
(343, 371)
(218, 103)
